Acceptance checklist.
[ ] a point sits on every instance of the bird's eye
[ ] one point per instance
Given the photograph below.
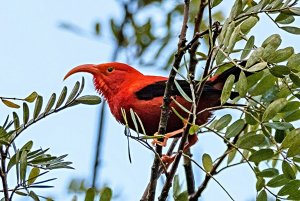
(110, 69)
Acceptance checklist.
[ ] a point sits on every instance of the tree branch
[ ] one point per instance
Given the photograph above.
(189, 174)
(165, 110)
(3, 174)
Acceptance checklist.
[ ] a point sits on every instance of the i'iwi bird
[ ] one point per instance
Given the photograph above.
(126, 88)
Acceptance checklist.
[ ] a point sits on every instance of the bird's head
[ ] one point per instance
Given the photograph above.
(108, 77)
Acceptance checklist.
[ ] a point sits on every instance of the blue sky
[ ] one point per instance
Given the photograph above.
(36, 54)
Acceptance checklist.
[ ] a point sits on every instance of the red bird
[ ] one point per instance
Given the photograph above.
(125, 87)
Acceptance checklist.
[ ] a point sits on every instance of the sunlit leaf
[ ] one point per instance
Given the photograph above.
(31, 97)
(50, 103)
(10, 104)
(38, 107)
(34, 173)
(106, 194)
(226, 92)
(62, 97)
(207, 162)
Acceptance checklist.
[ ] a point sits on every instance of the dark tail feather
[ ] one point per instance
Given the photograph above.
(218, 81)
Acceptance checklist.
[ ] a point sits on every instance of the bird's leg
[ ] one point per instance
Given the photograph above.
(192, 139)
(166, 137)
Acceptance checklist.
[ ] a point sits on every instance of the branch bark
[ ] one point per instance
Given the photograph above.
(188, 168)
(165, 110)
(3, 175)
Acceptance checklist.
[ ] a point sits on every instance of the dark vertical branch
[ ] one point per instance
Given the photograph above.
(102, 116)
(170, 176)
(98, 143)
(3, 175)
(165, 110)
(189, 174)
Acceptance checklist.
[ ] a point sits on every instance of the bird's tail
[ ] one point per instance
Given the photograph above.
(218, 81)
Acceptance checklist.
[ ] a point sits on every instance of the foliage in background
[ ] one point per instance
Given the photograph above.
(28, 166)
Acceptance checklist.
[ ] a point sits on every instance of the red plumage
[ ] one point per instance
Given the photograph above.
(125, 87)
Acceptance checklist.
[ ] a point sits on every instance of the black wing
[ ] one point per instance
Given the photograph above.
(157, 89)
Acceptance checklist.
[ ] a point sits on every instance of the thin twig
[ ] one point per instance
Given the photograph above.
(209, 174)
(213, 171)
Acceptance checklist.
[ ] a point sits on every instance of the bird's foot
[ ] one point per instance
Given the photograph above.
(168, 159)
(166, 137)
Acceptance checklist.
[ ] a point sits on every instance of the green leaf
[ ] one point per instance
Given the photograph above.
(280, 71)
(274, 38)
(176, 186)
(10, 104)
(279, 125)
(31, 97)
(250, 141)
(207, 162)
(62, 97)
(25, 113)
(33, 175)
(281, 55)
(73, 92)
(260, 183)
(194, 129)
(293, 116)
(263, 86)
(278, 181)
(182, 196)
(269, 172)
(294, 62)
(231, 156)
(50, 103)
(284, 19)
(258, 67)
(215, 3)
(236, 9)
(288, 170)
(16, 120)
(255, 57)
(233, 39)
(23, 165)
(34, 196)
(235, 128)
(248, 47)
(27, 147)
(228, 35)
(274, 108)
(241, 85)
(89, 100)
(226, 92)
(38, 107)
(294, 149)
(291, 29)
(290, 138)
(262, 196)
(296, 79)
(289, 188)
(106, 194)
(90, 194)
(249, 23)
(261, 155)
(295, 10)
(181, 91)
(222, 122)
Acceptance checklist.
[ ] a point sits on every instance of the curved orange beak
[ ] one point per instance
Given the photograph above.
(87, 68)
